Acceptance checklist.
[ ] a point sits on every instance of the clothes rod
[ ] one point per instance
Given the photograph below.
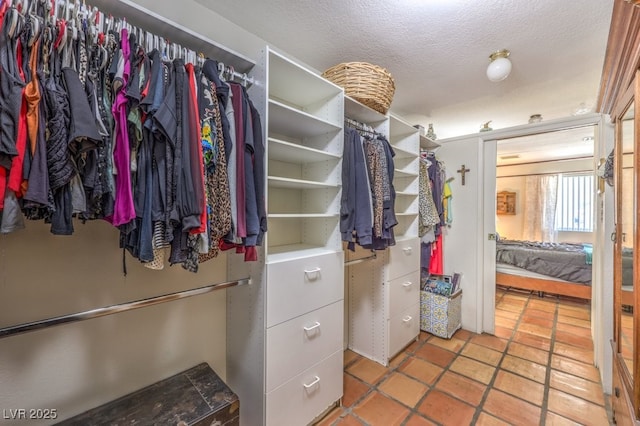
(355, 261)
(114, 309)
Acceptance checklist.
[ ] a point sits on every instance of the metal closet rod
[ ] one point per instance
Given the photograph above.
(114, 309)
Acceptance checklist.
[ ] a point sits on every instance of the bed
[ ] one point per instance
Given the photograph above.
(556, 268)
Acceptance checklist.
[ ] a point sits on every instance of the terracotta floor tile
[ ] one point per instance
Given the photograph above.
(503, 332)
(485, 419)
(577, 368)
(482, 353)
(422, 370)
(413, 346)
(554, 419)
(505, 322)
(350, 356)
(585, 389)
(463, 334)
(331, 417)
(515, 385)
(416, 420)
(574, 329)
(533, 341)
(524, 368)
(563, 319)
(404, 389)
(534, 320)
(367, 370)
(516, 297)
(424, 336)
(542, 305)
(397, 360)
(533, 311)
(569, 351)
(490, 341)
(536, 330)
(473, 369)
(377, 409)
(574, 340)
(446, 410)
(461, 387)
(349, 420)
(523, 351)
(353, 390)
(583, 313)
(511, 409)
(435, 354)
(576, 409)
(453, 344)
(507, 306)
(507, 314)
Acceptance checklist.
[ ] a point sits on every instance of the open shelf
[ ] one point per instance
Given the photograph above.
(287, 120)
(282, 182)
(428, 144)
(401, 173)
(300, 215)
(362, 113)
(296, 153)
(296, 84)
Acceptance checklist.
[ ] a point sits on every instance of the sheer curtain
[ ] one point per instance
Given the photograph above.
(540, 198)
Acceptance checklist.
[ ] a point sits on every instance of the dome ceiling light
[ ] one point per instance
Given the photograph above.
(500, 66)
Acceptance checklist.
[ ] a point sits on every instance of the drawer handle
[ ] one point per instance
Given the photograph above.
(315, 271)
(313, 327)
(407, 250)
(407, 318)
(312, 384)
(407, 284)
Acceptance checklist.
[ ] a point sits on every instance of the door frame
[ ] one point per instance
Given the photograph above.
(602, 296)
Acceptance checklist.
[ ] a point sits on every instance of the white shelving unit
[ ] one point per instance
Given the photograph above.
(305, 114)
(294, 330)
(405, 140)
(383, 293)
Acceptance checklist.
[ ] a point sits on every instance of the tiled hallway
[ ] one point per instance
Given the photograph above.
(537, 370)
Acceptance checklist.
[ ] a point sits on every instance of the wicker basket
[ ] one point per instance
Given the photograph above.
(368, 84)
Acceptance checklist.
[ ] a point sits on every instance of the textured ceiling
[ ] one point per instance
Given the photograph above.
(437, 51)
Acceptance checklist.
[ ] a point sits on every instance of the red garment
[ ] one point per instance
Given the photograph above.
(15, 183)
(194, 118)
(435, 266)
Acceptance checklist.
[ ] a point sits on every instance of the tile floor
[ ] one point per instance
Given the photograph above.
(536, 370)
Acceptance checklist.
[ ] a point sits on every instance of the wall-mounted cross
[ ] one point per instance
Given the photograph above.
(462, 172)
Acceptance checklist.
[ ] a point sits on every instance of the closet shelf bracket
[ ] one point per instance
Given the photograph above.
(117, 308)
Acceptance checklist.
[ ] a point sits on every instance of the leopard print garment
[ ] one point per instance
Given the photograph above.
(216, 177)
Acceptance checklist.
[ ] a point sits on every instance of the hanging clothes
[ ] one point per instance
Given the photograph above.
(368, 199)
(94, 126)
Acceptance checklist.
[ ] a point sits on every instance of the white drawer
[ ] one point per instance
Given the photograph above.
(404, 257)
(403, 328)
(302, 285)
(403, 293)
(303, 398)
(299, 343)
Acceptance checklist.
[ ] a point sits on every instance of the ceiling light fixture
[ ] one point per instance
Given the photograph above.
(500, 66)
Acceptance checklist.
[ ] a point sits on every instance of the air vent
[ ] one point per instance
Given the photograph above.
(509, 157)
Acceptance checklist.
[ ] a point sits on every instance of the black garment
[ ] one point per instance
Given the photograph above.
(38, 193)
(83, 133)
(11, 86)
(259, 174)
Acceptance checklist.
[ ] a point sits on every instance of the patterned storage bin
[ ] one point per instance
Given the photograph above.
(440, 315)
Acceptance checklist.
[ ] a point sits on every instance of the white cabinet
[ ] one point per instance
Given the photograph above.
(285, 331)
(383, 302)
